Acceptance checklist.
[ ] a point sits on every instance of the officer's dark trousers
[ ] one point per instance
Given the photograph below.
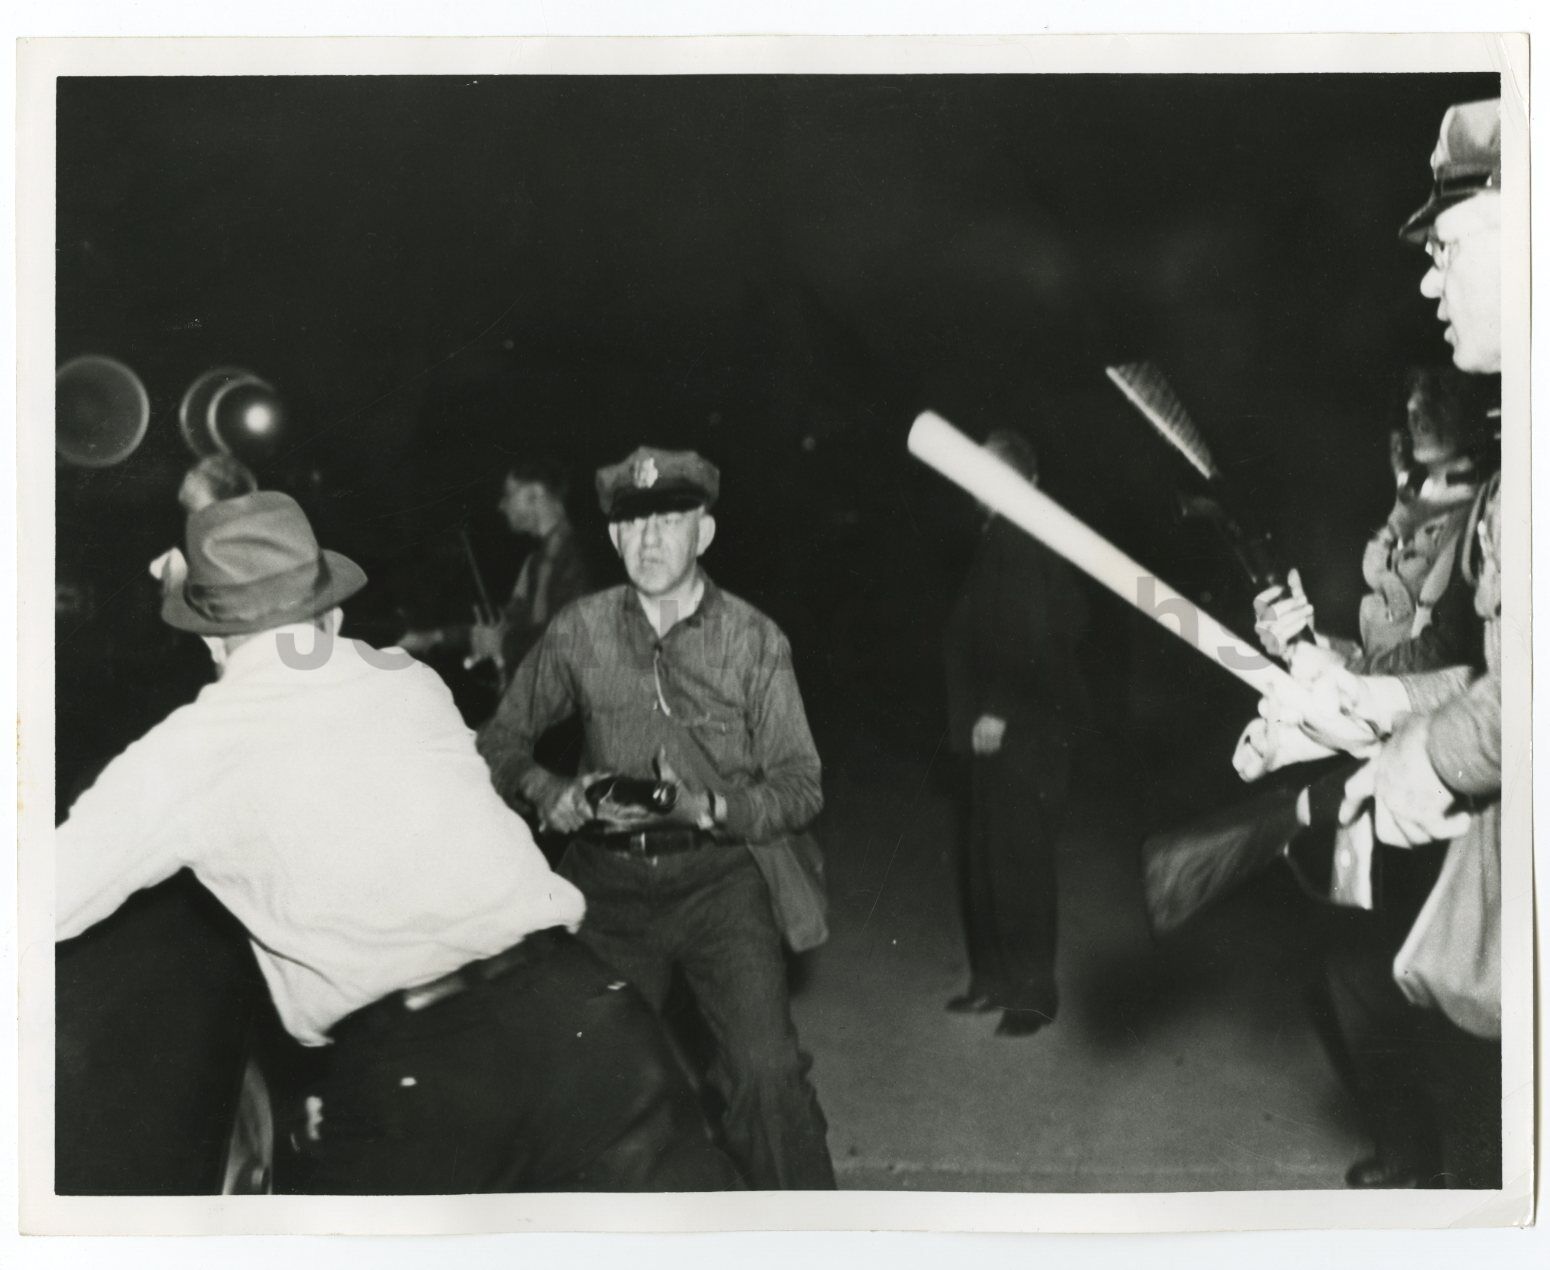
(552, 1077)
(1429, 1092)
(1007, 870)
(708, 913)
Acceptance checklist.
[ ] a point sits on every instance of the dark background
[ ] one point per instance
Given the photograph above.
(440, 275)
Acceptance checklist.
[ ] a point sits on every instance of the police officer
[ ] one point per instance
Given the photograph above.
(1416, 1007)
(1446, 755)
(679, 681)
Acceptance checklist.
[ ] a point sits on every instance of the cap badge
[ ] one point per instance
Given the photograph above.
(645, 474)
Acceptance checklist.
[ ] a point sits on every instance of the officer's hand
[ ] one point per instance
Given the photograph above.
(1318, 709)
(693, 805)
(1268, 746)
(568, 810)
(989, 731)
(1411, 806)
(1309, 662)
(1281, 614)
(1378, 701)
(620, 815)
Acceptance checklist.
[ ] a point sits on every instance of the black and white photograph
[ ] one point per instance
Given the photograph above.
(745, 624)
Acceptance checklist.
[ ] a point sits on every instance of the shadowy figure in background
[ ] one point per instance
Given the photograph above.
(555, 572)
(1015, 702)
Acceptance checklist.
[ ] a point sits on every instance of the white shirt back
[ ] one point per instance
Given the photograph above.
(331, 797)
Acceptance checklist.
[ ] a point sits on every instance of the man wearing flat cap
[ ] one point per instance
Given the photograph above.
(679, 682)
(329, 795)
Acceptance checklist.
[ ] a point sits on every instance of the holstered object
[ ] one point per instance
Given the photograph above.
(793, 869)
(1187, 869)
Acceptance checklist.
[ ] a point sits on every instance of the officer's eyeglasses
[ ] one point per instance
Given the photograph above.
(1441, 253)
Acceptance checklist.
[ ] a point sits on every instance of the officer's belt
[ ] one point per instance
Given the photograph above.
(651, 841)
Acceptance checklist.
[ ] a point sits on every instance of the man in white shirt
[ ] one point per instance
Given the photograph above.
(330, 796)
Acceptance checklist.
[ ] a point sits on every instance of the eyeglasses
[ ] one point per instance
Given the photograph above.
(1442, 253)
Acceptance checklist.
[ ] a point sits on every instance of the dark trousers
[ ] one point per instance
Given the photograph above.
(1429, 1093)
(1007, 878)
(152, 1009)
(707, 913)
(555, 1076)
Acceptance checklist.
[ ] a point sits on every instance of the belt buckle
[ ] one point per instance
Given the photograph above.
(428, 994)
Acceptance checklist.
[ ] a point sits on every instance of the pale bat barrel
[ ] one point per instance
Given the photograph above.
(970, 466)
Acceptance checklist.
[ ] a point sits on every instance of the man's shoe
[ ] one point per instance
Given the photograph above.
(970, 1002)
(1375, 1173)
(1022, 1022)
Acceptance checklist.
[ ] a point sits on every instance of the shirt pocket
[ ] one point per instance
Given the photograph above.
(620, 695)
(723, 737)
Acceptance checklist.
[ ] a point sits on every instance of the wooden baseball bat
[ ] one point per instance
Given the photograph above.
(970, 466)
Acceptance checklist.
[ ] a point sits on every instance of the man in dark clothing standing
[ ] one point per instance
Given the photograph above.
(677, 681)
(1015, 700)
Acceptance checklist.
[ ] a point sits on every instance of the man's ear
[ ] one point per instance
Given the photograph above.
(707, 533)
(613, 535)
(217, 647)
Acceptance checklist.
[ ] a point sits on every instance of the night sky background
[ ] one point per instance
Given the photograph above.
(441, 275)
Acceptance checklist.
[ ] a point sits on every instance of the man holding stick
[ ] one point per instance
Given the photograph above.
(554, 573)
(1433, 741)
(1437, 777)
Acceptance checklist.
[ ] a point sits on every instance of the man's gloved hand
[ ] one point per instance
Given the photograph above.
(1281, 614)
(1411, 805)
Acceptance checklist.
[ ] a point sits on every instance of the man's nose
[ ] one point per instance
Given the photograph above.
(651, 531)
(1431, 283)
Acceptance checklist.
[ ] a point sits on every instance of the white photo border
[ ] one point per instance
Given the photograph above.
(42, 61)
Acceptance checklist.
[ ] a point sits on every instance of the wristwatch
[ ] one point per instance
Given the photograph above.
(715, 812)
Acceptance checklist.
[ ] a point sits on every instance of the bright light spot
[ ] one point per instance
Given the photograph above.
(258, 418)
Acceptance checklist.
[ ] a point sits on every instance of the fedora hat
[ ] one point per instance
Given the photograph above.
(253, 564)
